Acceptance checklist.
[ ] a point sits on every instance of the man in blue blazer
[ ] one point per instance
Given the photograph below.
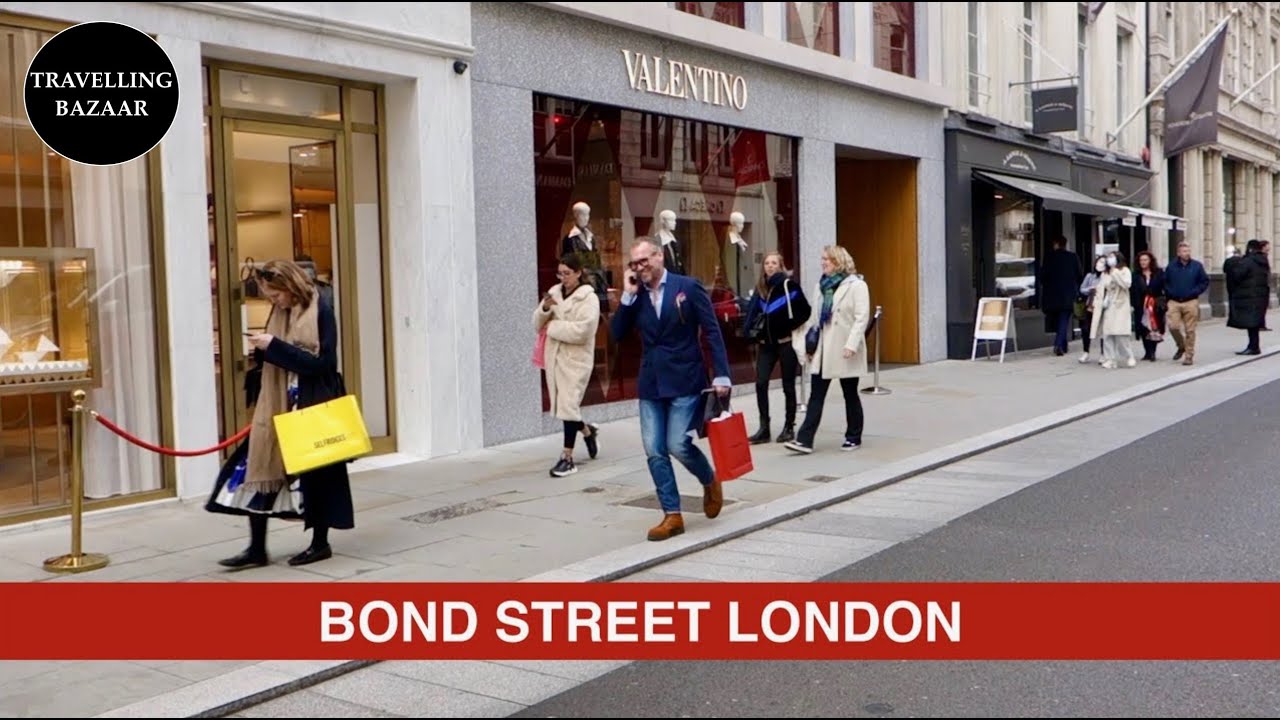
(669, 310)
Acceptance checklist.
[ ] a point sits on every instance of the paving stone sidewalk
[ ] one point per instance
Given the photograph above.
(496, 514)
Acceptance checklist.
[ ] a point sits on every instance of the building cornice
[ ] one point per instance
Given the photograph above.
(690, 29)
(309, 22)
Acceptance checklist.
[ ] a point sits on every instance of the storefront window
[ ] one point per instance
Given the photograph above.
(732, 191)
(729, 13)
(814, 25)
(895, 33)
(1016, 266)
(47, 202)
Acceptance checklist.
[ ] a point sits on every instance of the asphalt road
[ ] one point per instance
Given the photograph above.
(1199, 501)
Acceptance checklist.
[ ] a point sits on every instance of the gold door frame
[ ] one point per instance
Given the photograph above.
(222, 123)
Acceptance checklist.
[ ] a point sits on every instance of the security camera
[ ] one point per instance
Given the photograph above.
(459, 66)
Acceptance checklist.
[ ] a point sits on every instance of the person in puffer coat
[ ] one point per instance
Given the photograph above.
(784, 308)
(1248, 293)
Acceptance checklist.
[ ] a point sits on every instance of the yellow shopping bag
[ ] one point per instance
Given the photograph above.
(321, 435)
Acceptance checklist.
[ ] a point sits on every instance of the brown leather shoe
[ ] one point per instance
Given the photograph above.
(712, 499)
(672, 524)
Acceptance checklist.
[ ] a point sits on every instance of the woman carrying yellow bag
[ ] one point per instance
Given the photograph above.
(298, 360)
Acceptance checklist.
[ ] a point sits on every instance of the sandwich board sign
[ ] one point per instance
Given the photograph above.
(994, 322)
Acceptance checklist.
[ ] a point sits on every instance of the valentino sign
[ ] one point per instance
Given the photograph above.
(685, 81)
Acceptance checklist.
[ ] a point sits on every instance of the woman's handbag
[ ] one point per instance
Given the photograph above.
(322, 435)
(811, 339)
(540, 349)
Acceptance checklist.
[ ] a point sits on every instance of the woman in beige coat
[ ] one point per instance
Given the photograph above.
(841, 310)
(570, 313)
(1113, 313)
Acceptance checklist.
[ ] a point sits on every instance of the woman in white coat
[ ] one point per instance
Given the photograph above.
(570, 314)
(833, 341)
(1113, 313)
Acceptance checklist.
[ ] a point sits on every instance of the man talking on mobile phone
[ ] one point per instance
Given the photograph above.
(669, 310)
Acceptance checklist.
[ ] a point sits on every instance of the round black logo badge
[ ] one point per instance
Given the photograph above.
(101, 93)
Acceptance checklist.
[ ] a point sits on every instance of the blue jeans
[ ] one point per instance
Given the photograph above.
(664, 429)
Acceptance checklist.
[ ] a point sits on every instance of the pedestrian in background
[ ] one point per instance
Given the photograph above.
(1248, 293)
(777, 309)
(1113, 313)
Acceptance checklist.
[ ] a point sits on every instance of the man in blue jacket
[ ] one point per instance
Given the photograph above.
(1184, 282)
(669, 310)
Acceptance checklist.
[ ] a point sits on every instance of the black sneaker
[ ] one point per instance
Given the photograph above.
(592, 446)
(563, 468)
(850, 445)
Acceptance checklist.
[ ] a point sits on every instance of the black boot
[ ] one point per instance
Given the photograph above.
(256, 554)
(762, 435)
(787, 435)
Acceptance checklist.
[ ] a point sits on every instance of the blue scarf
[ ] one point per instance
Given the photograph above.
(829, 284)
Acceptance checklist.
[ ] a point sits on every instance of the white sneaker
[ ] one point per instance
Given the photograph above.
(1084, 358)
(1108, 365)
(1131, 362)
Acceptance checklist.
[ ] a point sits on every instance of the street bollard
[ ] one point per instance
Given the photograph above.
(875, 388)
(77, 561)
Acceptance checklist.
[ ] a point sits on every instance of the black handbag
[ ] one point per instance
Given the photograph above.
(811, 339)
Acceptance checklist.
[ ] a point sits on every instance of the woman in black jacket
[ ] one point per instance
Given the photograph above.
(297, 358)
(778, 307)
(1146, 294)
(1248, 293)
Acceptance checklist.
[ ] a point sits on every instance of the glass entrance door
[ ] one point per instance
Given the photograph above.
(283, 189)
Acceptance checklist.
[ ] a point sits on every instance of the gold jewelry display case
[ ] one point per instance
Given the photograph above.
(48, 320)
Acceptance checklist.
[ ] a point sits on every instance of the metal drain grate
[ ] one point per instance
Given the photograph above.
(458, 510)
(688, 503)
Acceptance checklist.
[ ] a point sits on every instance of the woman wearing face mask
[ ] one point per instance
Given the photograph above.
(1113, 313)
(777, 309)
(1088, 290)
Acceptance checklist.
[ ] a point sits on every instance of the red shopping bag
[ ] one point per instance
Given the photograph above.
(730, 449)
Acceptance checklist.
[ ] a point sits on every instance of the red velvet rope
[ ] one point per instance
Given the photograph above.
(168, 451)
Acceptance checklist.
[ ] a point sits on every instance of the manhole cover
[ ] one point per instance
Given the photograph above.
(458, 510)
(688, 503)
(593, 489)
(821, 478)
(878, 708)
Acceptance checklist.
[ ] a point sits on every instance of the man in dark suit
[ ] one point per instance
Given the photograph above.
(669, 310)
(1059, 287)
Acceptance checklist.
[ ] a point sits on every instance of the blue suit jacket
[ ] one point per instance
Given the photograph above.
(672, 364)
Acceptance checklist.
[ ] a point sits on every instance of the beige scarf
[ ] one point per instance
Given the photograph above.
(265, 471)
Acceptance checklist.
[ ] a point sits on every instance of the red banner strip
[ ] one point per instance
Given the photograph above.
(641, 621)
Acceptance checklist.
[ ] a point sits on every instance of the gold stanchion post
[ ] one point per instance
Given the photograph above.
(77, 561)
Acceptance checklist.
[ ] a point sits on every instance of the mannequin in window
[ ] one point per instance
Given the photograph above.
(580, 241)
(737, 253)
(672, 254)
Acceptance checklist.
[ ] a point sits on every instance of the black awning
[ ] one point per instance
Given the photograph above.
(1055, 197)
